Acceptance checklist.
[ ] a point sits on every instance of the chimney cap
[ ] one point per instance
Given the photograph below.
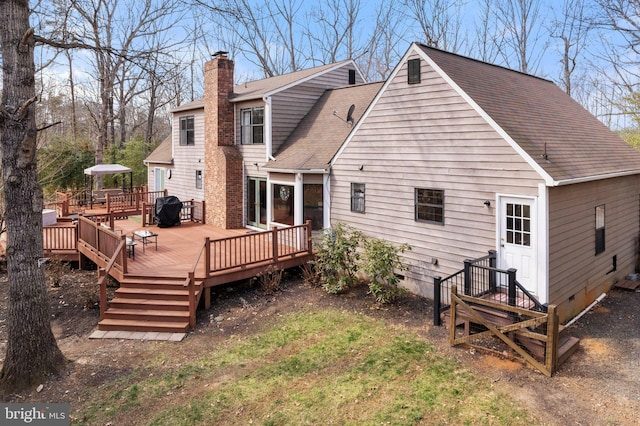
(220, 53)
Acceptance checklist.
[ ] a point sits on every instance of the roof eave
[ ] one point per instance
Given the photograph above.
(584, 179)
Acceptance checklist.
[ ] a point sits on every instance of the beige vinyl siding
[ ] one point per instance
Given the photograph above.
(291, 105)
(252, 154)
(427, 136)
(186, 159)
(575, 271)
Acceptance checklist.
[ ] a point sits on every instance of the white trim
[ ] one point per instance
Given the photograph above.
(268, 143)
(294, 171)
(298, 200)
(326, 201)
(542, 255)
(535, 221)
(595, 177)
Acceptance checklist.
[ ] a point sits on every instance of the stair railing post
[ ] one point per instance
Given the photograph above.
(551, 353)
(192, 300)
(511, 272)
(437, 281)
(468, 279)
(492, 271)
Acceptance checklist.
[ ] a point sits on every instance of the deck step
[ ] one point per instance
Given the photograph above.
(152, 293)
(160, 304)
(147, 314)
(108, 324)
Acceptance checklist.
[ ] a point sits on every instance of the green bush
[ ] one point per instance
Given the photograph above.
(337, 258)
(344, 252)
(381, 262)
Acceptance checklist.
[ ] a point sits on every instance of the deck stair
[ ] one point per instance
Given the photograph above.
(567, 345)
(149, 303)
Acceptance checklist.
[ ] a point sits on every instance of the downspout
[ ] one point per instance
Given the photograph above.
(298, 192)
(326, 199)
(268, 128)
(587, 309)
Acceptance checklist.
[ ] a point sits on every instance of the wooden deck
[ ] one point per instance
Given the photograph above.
(160, 287)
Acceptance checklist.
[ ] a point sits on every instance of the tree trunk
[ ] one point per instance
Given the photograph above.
(32, 352)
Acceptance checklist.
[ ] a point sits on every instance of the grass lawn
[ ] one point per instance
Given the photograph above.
(312, 367)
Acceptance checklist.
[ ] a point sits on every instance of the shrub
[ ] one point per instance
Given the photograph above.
(381, 262)
(337, 258)
(270, 280)
(310, 274)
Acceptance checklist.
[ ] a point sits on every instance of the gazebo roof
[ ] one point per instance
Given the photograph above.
(106, 169)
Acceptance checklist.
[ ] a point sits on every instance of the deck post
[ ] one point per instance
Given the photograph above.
(274, 243)
(551, 353)
(123, 254)
(207, 257)
(436, 300)
(512, 296)
(204, 216)
(309, 237)
(468, 279)
(207, 298)
(103, 291)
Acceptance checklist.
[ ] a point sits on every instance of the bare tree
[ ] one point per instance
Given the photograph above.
(32, 352)
(383, 50)
(572, 30)
(440, 22)
(117, 40)
(621, 16)
(523, 33)
(332, 30)
(488, 42)
(268, 34)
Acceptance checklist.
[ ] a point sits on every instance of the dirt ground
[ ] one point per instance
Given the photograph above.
(598, 385)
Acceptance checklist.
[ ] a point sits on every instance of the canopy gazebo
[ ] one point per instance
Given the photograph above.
(105, 169)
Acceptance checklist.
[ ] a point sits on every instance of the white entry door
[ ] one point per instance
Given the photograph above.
(159, 178)
(518, 240)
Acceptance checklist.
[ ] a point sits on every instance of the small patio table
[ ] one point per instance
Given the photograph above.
(146, 237)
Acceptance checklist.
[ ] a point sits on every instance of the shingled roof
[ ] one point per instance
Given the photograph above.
(162, 154)
(258, 88)
(323, 130)
(562, 137)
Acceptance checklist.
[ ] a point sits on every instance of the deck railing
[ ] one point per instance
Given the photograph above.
(132, 201)
(258, 247)
(59, 238)
(101, 242)
(480, 277)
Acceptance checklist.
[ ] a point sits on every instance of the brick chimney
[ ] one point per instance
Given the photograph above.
(223, 180)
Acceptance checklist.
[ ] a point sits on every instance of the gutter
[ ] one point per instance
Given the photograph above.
(593, 178)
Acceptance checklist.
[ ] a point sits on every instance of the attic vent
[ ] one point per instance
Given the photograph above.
(413, 71)
(352, 77)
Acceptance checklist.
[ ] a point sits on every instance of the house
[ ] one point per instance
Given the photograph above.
(245, 126)
(457, 157)
(454, 156)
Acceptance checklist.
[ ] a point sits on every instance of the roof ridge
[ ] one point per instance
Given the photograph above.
(484, 62)
(304, 70)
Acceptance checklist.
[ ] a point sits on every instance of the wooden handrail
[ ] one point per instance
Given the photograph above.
(190, 281)
(102, 277)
